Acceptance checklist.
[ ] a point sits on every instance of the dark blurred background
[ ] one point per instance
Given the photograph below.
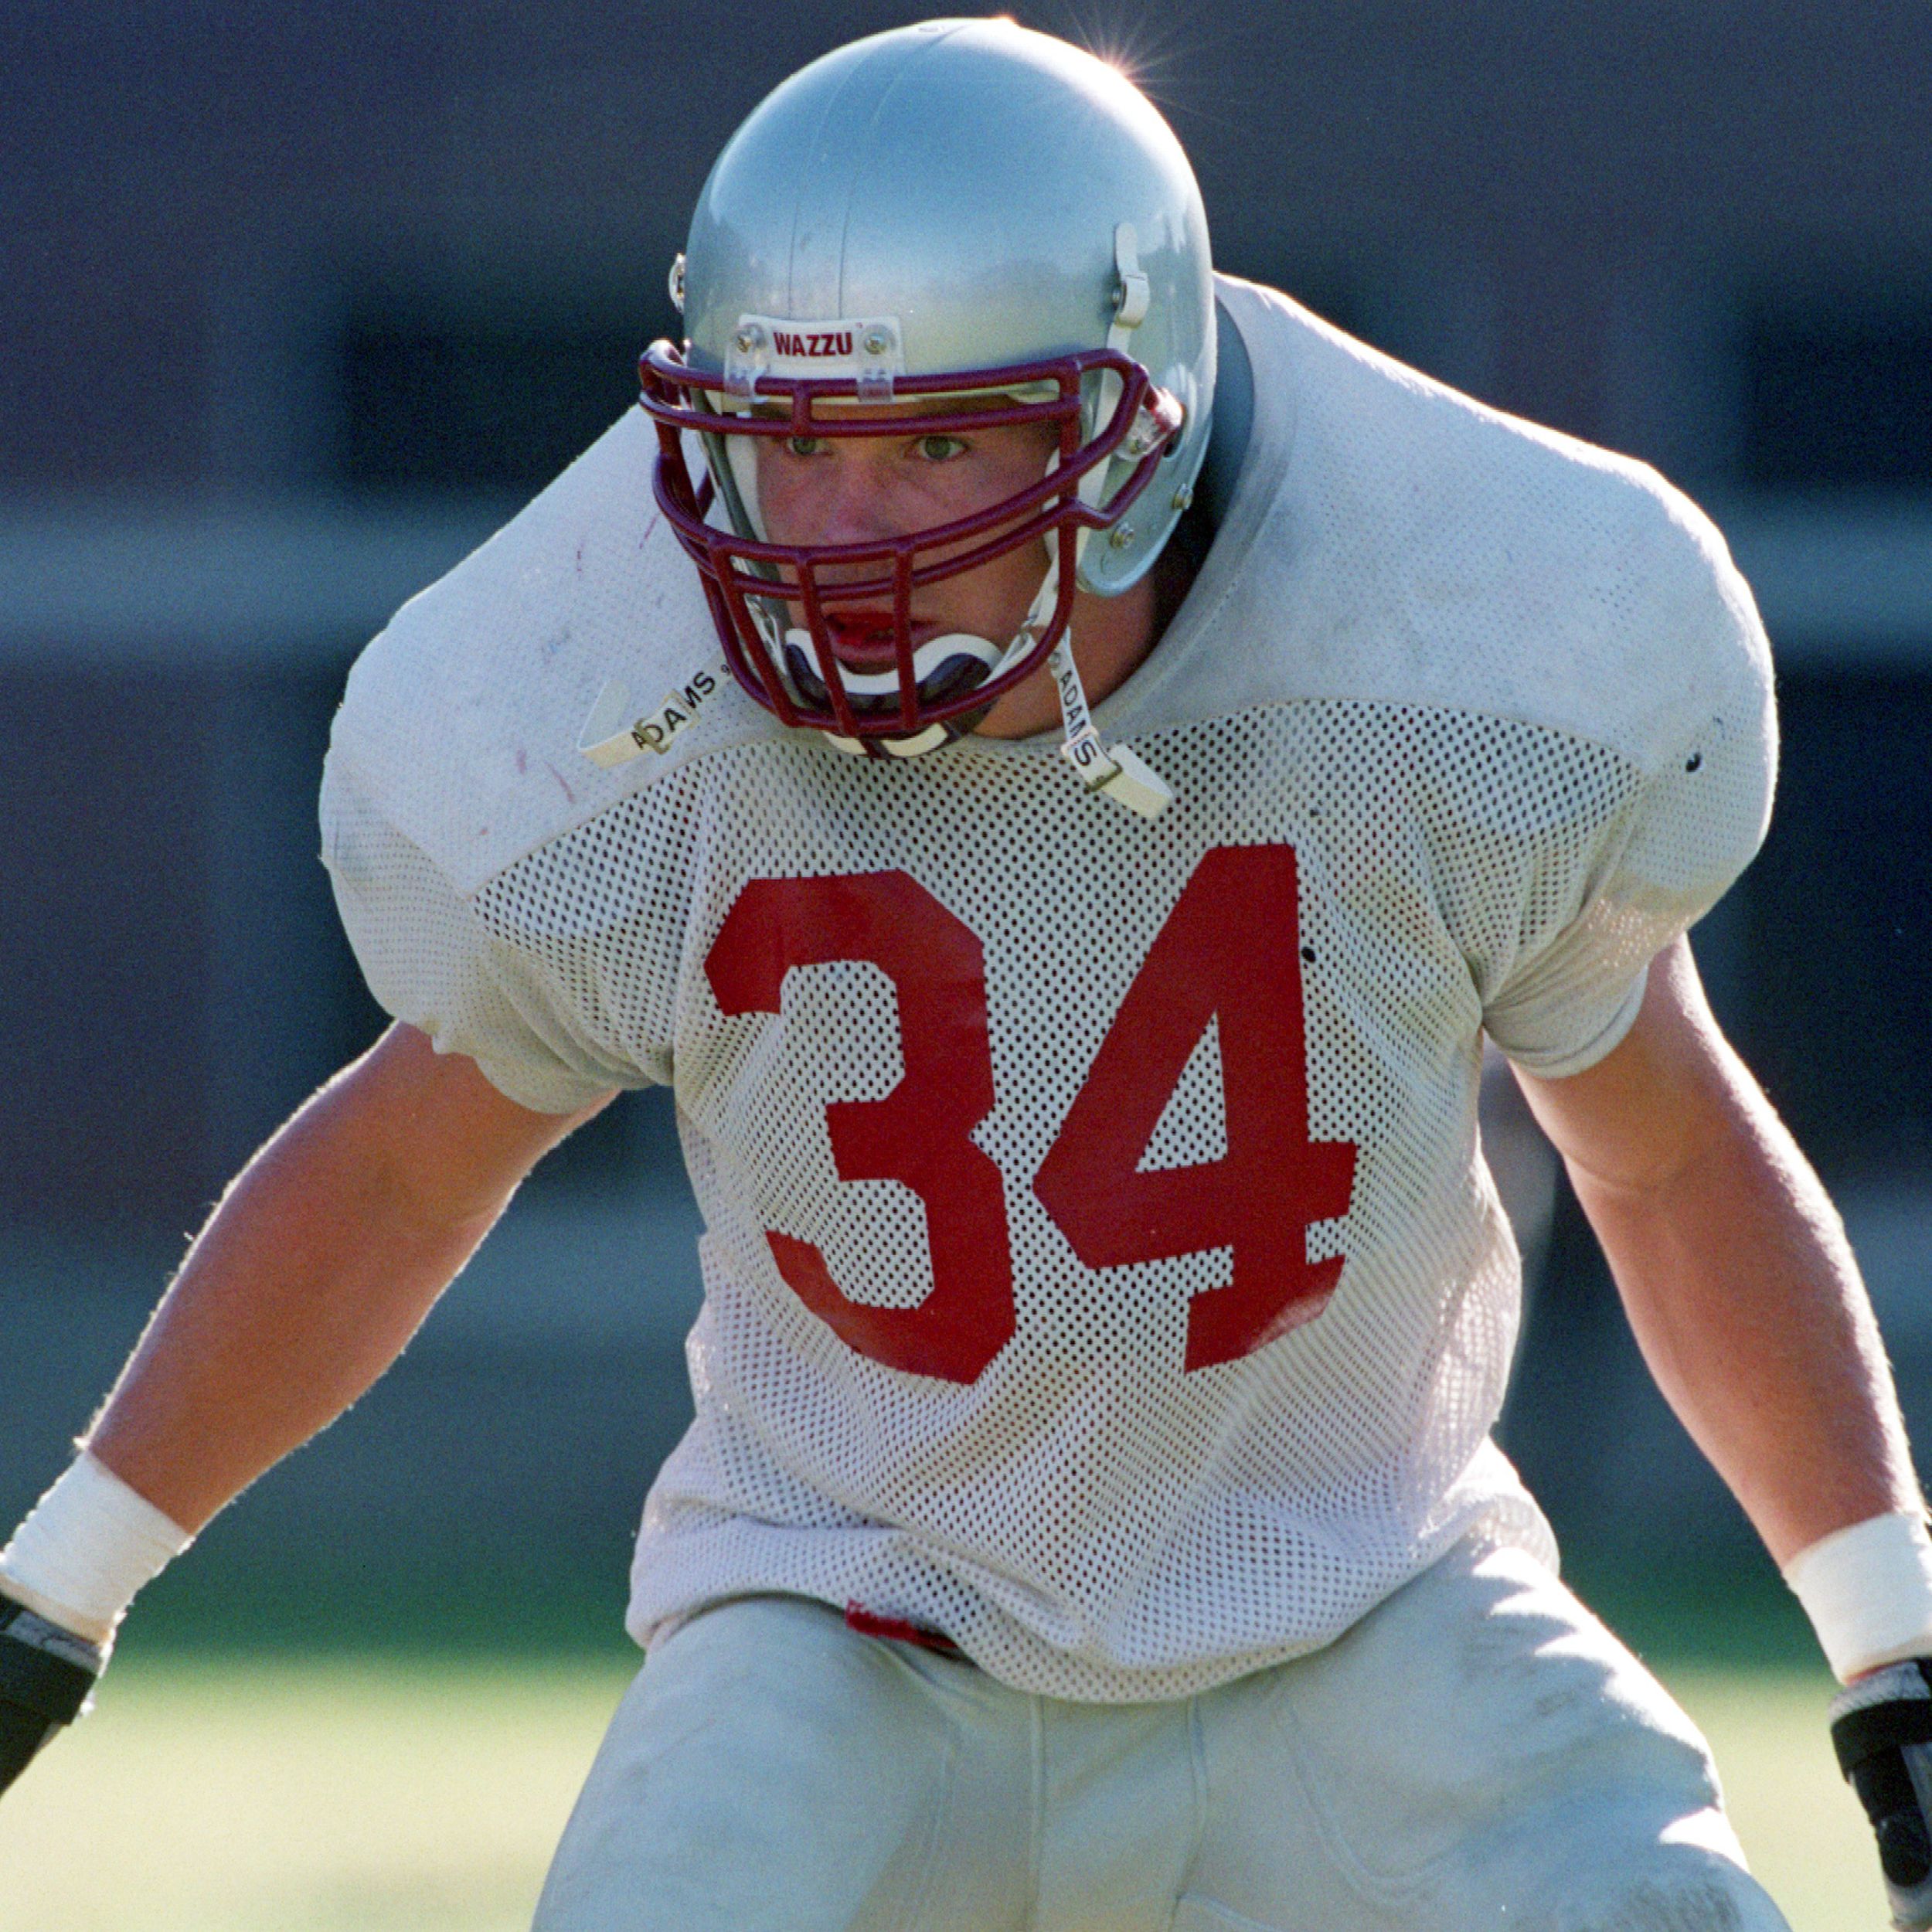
(298, 303)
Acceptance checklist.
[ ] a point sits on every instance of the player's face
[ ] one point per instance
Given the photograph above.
(826, 490)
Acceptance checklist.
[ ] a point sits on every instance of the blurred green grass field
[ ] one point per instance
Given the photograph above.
(304, 1795)
(334, 1794)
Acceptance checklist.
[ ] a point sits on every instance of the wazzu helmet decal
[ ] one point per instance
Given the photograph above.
(962, 210)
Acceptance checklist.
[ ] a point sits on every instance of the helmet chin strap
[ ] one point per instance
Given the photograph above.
(1114, 769)
(949, 660)
(612, 736)
(928, 660)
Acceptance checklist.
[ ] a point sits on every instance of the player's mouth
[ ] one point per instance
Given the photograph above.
(865, 641)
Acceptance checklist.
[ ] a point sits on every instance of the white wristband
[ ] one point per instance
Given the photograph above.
(86, 1548)
(1868, 1591)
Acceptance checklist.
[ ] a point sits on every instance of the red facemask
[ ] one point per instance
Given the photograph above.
(776, 611)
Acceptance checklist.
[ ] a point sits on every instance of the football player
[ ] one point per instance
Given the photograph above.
(1061, 759)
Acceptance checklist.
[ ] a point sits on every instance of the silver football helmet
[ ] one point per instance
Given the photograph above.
(961, 209)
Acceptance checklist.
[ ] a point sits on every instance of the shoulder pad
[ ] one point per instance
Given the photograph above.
(463, 722)
(1393, 540)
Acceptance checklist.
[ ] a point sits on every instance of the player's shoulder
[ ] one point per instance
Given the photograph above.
(462, 720)
(1418, 545)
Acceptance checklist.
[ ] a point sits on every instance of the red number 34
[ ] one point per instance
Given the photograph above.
(1228, 951)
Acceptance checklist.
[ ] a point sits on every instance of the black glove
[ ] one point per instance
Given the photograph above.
(1881, 1729)
(45, 1675)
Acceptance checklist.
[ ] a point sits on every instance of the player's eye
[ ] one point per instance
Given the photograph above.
(940, 449)
(805, 445)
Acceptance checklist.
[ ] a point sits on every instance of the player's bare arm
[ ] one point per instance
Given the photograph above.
(318, 1265)
(1734, 1267)
(1746, 1300)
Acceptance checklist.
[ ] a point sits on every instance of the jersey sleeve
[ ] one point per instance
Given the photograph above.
(1691, 821)
(430, 961)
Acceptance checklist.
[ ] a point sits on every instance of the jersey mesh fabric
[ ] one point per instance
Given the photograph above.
(1503, 700)
(428, 957)
(1088, 1519)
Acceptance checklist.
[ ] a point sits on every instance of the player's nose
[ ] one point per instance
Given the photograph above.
(854, 501)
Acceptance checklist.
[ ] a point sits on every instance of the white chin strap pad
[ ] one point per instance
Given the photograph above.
(929, 658)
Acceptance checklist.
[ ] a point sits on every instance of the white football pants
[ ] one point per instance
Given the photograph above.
(1478, 1752)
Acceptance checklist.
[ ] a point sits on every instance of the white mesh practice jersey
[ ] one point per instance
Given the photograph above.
(1101, 1265)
